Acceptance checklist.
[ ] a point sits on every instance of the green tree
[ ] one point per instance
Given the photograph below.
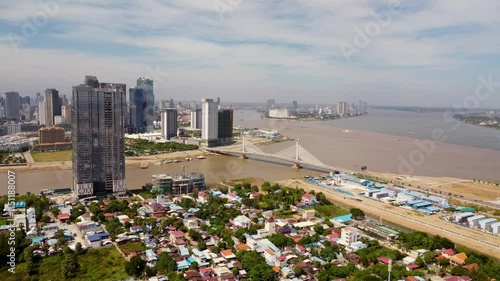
(166, 264)
(135, 266)
(357, 213)
(281, 240)
(70, 264)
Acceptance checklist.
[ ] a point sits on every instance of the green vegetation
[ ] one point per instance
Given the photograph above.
(52, 156)
(12, 158)
(328, 211)
(132, 247)
(420, 240)
(103, 264)
(139, 147)
(256, 266)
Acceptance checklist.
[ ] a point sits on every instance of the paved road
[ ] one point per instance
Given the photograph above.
(479, 241)
(29, 158)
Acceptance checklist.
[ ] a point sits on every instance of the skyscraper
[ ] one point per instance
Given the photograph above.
(66, 113)
(52, 106)
(196, 118)
(42, 115)
(365, 107)
(294, 105)
(12, 105)
(209, 127)
(271, 103)
(360, 107)
(342, 108)
(169, 123)
(142, 105)
(225, 128)
(98, 138)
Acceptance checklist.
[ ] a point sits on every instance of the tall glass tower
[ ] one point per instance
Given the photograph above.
(98, 125)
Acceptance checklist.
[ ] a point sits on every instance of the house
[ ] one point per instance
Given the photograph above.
(135, 228)
(242, 221)
(308, 199)
(412, 266)
(458, 259)
(241, 247)
(458, 278)
(206, 272)
(349, 235)
(227, 254)
(63, 217)
(123, 219)
(472, 267)
(270, 256)
(448, 252)
(176, 235)
(202, 197)
(383, 260)
(254, 195)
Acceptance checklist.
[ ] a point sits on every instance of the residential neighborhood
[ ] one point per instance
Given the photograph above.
(239, 231)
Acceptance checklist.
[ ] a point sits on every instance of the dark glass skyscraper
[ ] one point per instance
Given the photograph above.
(98, 138)
(142, 104)
(225, 132)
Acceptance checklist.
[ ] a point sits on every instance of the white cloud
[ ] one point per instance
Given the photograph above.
(260, 47)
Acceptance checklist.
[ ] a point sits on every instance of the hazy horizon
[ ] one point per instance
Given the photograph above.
(403, 53)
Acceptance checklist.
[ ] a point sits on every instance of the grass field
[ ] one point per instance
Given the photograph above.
(132, 247)
(328, 211)
(103, 264)
(52, 156)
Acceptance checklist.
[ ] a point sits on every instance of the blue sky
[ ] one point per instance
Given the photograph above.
(424, 53)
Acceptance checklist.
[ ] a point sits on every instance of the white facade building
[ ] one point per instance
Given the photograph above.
(349, 235)
(210, 120)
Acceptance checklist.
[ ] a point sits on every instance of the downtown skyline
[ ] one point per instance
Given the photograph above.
(428, 54)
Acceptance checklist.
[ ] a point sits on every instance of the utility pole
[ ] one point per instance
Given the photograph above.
(389, 269)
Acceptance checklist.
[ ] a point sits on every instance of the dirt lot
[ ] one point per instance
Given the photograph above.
(467, 188)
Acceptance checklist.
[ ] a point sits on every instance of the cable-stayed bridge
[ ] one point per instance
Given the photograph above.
(295, 154)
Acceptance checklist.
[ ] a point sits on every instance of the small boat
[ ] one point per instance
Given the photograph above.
(189, 159)
(411, 133)
(201, 157)
(144, 165)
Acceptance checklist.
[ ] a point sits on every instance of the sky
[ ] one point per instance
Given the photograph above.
(412, 53)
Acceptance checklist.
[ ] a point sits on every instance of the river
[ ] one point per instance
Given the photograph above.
(379, 141)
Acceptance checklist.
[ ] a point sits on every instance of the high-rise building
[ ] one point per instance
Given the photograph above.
(365, 107)
(164, 104)
(209, 126)
(342, 108)
(171, 103)
(2, 107)
(142, 105)
(360, 107)
(169, 123)
(196, 118)
(98, 138)
(25, 100)
(52, 106)
(66, 113)
(294, 105)
(12, 105)
(42, 115)
(225, 128)
(271, 103)
(38, 98)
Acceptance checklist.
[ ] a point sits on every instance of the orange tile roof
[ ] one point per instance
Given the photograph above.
(276, 269)
(241, 247)
(271, 253)
(227, 252)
